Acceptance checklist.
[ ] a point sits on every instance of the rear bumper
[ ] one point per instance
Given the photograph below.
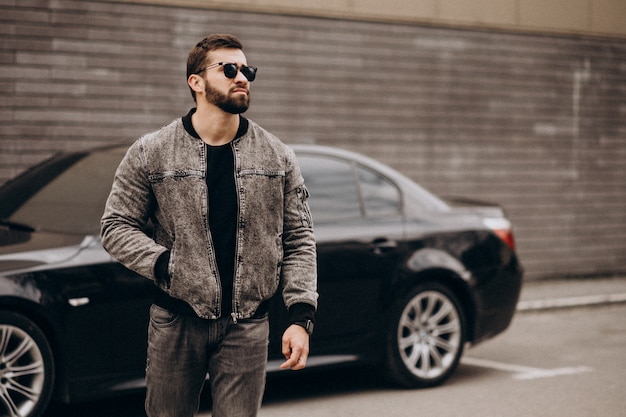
(497, 295)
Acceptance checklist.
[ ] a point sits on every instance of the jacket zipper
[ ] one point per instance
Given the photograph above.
(237, 232)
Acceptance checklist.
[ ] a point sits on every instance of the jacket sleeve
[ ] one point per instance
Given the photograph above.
(128, 209)
(299, 269)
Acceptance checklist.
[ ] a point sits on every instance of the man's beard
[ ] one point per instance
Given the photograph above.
(228, 104)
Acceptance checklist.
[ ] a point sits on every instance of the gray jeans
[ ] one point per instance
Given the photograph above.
(183, 349)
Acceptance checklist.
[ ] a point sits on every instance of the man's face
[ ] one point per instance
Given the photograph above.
(232, 95)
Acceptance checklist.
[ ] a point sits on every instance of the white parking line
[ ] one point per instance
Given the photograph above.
(525, 372)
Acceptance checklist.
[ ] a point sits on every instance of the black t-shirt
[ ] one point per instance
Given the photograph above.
(222, 207)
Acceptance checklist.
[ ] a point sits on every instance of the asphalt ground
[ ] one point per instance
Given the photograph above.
(571, 292)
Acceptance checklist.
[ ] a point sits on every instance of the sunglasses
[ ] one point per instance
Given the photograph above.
(230, 70)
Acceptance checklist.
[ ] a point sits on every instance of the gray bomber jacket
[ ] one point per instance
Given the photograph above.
(162, 178)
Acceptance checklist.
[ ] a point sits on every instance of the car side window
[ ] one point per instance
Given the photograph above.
(333, 187)
(342, 190)
(381, 198)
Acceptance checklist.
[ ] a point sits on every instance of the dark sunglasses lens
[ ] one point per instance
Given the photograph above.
(230, 70)
(249, 73)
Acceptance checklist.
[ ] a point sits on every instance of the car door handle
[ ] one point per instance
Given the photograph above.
(382, 245)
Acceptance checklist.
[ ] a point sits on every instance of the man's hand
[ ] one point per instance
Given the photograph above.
(295, 348)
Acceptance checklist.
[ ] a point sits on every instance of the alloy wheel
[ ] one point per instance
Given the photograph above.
(429, 335)
(22, 372)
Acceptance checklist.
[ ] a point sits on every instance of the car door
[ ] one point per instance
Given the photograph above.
(358, 227)
(105, 321)
(133, 296)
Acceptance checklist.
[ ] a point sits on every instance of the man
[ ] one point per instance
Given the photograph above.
(231, 225)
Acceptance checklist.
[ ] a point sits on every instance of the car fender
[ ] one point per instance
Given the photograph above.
(436, 265)
(429, 259)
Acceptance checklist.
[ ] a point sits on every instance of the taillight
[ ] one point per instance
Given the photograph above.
(507, 237)
(502, 228)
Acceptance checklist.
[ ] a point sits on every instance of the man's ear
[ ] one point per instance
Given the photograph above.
(196, 83)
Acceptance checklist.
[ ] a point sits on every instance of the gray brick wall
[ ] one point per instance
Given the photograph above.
(534, 122)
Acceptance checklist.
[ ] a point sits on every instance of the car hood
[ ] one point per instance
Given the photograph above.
(37, 249)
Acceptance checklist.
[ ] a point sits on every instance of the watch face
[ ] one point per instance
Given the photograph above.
(307, 325)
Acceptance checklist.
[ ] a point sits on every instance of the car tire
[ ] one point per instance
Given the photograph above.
(26, 367)
(425, 337)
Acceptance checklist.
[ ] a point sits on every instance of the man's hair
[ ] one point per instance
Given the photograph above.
(199, 55)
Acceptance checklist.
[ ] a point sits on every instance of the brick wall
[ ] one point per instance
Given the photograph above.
(534, 122)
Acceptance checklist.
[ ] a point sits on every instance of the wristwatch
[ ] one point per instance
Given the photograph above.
(308, 325)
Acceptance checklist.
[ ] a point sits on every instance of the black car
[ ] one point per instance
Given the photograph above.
(405, 279)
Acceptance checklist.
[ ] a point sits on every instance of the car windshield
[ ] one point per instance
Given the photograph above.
(65, 194)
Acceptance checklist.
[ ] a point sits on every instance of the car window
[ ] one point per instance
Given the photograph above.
(342, 190)
(333, 187)
(381, 198)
